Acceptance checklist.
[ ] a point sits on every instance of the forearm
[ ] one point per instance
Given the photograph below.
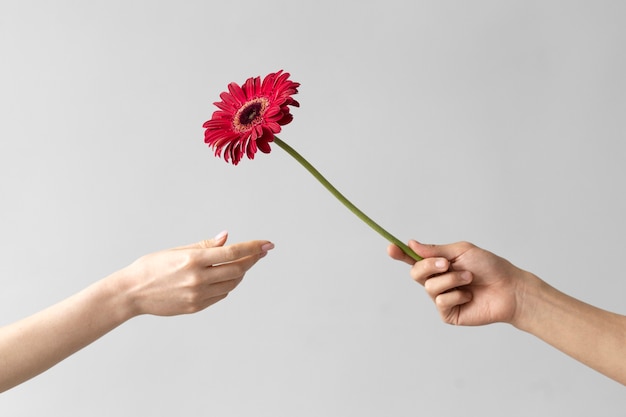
(590, 335)
(36, 343)
(177, 281)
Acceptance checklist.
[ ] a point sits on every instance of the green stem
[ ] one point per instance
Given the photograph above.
(345, 201)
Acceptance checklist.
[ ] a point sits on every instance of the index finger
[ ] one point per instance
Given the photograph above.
(230, 253)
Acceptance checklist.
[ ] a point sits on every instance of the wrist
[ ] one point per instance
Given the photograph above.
(120, 293)
(530, 294)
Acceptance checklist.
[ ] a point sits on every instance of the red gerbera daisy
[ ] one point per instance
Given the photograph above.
(250, 116)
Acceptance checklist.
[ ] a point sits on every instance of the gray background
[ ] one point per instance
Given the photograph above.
(497, 122)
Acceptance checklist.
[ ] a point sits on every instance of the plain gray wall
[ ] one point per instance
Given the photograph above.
(497, 122)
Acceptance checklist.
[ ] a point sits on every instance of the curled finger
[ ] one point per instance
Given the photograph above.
(446, 282)
(427, 268)
(449, 304)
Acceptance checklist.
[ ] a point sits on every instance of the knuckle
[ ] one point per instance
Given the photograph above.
(418, 274)
(195, 280)
(428, 286)
(186, 260)
(418, 278)
(439, 302)
(465, 245)
(192, 302)
(193, 295)
(205, 244)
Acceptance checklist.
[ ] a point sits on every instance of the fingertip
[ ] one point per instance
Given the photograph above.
(392, 251)
(221, 236)
(441, 264)
(465, 277)
(464, 295)
(218, 240)
(398, 254)
(267, 247)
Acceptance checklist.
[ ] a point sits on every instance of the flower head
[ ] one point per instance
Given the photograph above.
(250, 115)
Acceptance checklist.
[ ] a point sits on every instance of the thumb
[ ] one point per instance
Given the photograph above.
(450, 251)
(217, 241)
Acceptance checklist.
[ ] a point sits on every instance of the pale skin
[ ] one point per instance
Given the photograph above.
(471, 287)
(177, 281)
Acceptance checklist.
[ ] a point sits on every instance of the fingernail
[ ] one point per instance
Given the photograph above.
(220, 235)
(466, 276)
(267, 246)
(440, 263)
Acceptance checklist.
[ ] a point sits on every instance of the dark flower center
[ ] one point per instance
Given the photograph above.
(250, 114)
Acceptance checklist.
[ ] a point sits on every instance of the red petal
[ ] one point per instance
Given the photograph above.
(237, 93)
(273, 127)
(227, 106)
(268, 82)
(263, 143)
(230, 101)
(251, 149)
(251, 87)
(272, 112)
(286, 119)
(220, 123)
